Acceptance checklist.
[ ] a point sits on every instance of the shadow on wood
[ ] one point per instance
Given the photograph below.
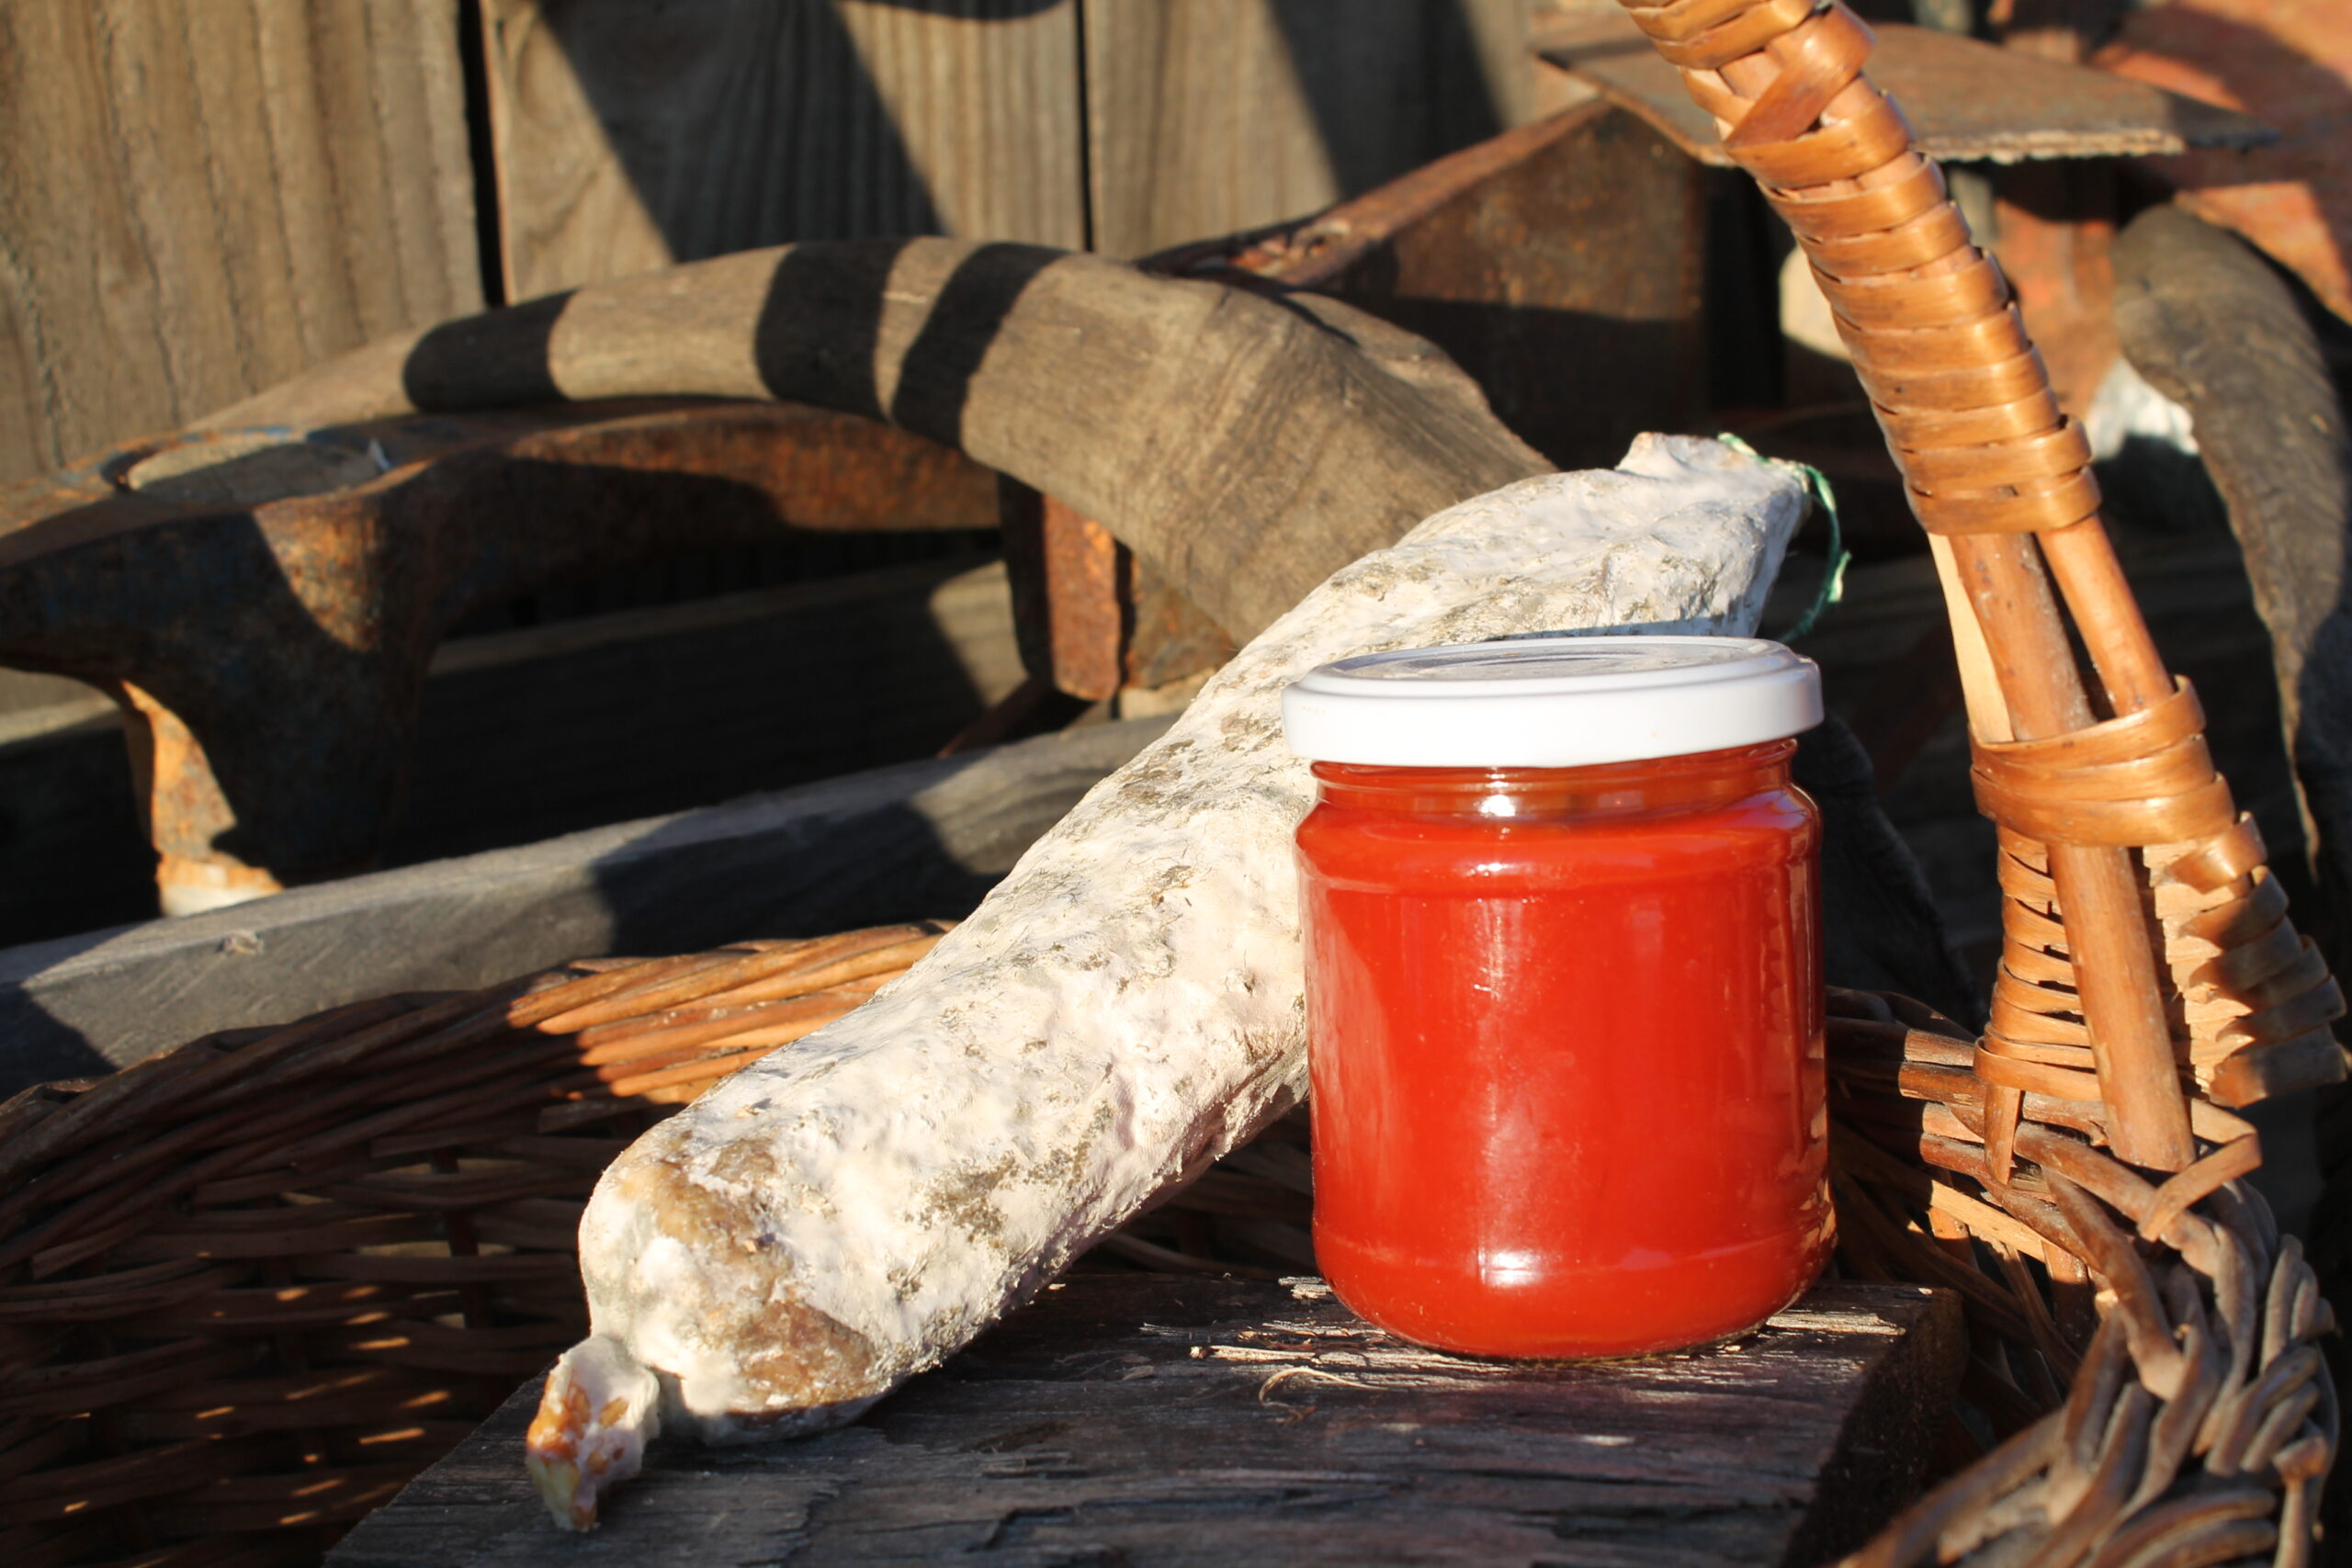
(627, 137)
(921, 838)
(1155, 1421)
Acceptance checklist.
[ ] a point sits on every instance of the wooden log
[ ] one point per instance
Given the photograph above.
(1245, 448)
(921, 838)
(2204, 319)
(203, 197)
(1153, 1421)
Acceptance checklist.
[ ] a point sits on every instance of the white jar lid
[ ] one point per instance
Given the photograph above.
(1551, 702)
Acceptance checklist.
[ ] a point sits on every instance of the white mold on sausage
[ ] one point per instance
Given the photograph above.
(1127, 1006)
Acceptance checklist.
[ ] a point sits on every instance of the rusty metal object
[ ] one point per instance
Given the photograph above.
(270, 739)
(1069, 593)
(1561, 264)
(1093, 620)
(1087, 587)
(1964, 99)
(2054, 229)
(2290, 62)
(265, 621)
(268, 645)
(1381, 431)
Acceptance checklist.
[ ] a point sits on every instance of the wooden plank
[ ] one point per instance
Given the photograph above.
(629, 136)
(1210, 117)
(525, 735)
(925, 838)
(1964, 99)
(25, 696)
(201, 198)
(1147, 1420)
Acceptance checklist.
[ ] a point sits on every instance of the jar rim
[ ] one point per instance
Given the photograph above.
(1550, 701)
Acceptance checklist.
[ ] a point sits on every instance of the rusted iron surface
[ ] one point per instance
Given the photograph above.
(1069, 580)
(2054, 231)
(1168, 637)
(269, 649)
(1964, 99)
(2290, 62)
(1561, 264)
(1091, 619)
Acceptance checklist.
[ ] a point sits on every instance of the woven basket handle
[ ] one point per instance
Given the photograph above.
(2001, 479)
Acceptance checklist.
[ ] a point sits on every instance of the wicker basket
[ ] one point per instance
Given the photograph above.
(250, 1287)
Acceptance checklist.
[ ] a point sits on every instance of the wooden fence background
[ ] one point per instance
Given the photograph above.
(200, 198)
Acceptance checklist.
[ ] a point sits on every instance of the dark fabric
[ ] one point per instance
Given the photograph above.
(1879, 928)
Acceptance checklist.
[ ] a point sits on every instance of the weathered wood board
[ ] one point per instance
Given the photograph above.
(527, 734)
(920, 839)
(1209, 117)
(1147, 1420)
(200, 197)
(629, 136)
(531, 733)
(626, 136)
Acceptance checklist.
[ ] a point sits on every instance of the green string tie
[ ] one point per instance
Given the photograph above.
(1833, 583)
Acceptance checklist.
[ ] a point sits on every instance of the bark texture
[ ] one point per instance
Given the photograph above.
(1245, 447)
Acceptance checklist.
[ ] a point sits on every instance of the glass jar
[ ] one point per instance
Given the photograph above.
(1564, 1007)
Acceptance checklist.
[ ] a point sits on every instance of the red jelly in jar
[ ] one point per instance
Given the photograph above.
(1564, 990)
